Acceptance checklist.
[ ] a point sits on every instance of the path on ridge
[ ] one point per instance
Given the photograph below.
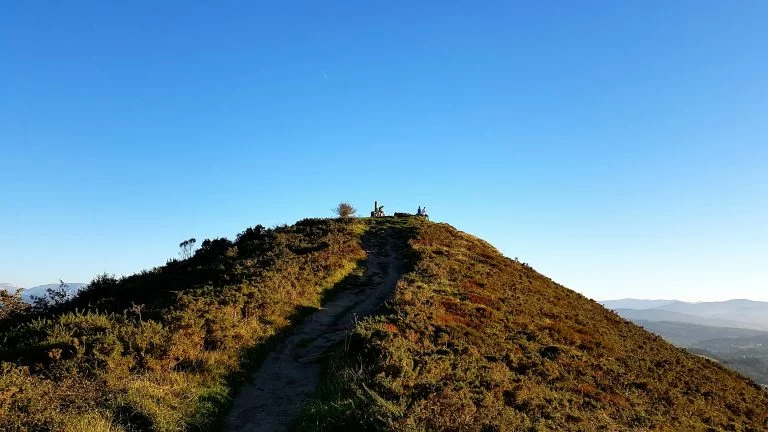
(290, 374)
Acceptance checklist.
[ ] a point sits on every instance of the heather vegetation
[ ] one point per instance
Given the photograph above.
(473, 341)
(161, 350)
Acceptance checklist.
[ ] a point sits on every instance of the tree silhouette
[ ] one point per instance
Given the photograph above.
(11, 304)
(53, 297)
(186, 248)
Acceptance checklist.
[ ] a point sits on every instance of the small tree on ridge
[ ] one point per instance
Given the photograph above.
(186, 248)
(345, 210)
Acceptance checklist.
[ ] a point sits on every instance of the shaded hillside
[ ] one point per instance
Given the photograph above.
(473, 341)
(289, 374)
(161, 350)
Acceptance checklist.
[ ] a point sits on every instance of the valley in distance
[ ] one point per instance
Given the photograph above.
(733, 332)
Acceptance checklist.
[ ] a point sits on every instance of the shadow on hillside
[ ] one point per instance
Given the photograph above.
(381, 233)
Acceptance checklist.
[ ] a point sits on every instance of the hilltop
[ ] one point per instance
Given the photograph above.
(474, 341)
(469, 340)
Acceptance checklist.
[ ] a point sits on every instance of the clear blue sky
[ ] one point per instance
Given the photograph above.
(619, 147)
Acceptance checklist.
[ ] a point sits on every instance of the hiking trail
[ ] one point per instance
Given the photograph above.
(291, 372)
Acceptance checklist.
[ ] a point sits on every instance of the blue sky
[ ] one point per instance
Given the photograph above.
(621, 148)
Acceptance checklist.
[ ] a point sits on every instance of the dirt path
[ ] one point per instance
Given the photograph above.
(290, 374)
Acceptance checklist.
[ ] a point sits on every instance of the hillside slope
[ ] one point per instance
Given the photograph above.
(162, 350)
(473, 341)
(470, 341)
(292, 370)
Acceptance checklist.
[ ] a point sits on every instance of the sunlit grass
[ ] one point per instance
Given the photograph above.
(474, 341)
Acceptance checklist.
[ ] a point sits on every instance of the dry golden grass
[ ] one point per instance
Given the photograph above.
(474, 341)
(471, 341)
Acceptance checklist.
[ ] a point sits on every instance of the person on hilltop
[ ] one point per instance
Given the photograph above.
(418, 212)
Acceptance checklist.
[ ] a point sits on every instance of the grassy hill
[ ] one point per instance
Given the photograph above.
(161, 350)
(471, 341)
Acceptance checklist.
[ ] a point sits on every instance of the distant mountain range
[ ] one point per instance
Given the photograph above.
(8, 287)
(731, 332)
(694, 335)
(629, 303)
(40, 290)
(731, 313)
(665, 315)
